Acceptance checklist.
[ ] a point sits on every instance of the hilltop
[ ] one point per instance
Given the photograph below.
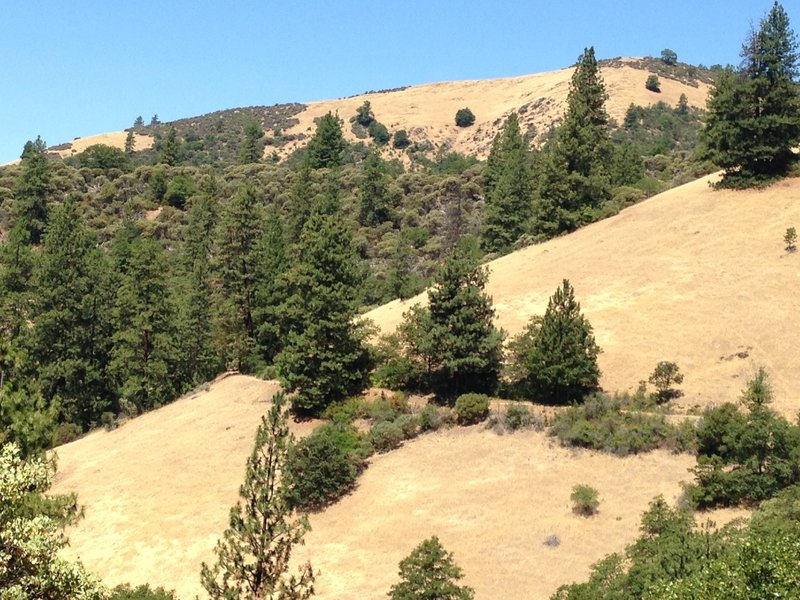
(427, 111)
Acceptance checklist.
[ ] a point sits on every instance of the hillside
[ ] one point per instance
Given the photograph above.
(693, 275)
(157, 493)
(427, 111)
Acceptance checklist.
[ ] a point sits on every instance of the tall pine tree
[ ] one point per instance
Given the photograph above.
(326, 148)
(30, 204)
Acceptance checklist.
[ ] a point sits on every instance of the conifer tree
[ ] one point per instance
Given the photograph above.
(254, 554)
(509, 190)
(68, 344)
(753, 118)
(30, 204)
(252, 149)
(468, 347)
(574, 179)
(273, 262)
(169, 153)
(326, 148)
(399, 277)
(143, 354)
(16, 264)
(557, 355)
(301, 199)
(430, 573)
(373, 205)
(236, 266)
(130, 142)
(323, 358)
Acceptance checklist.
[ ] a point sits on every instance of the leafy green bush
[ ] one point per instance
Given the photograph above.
(323, 467)
(518, 416)
(378, 132)
(142, 592)
(653, 84)
(472, 408)
(664, 377)
(409, 425)
(464, 117)
(386, 436)
(430, 418)
(585, 500)
(401, 139)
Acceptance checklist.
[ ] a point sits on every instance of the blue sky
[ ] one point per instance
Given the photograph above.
(83, 67)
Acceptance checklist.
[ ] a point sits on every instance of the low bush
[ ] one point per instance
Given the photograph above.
(518, 416)
(464, 117)
(386, 436)
(585, 500)
(430, 419)
(409, 425)
(472, 408)
(142, 592)
(401, 139)
(323, 467)
(653, 84)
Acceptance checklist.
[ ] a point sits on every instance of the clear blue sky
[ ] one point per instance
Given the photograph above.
(82, 67)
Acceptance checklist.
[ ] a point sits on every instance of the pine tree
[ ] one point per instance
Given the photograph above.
(16, 264)
(30, 204)
(430, 573)
(130, 142)
(556, 356)
(143, 354)
(169, 153)
(374, 202)
(323, 358)
(399, 278)
(468, 347)
(574, 178)
(509, 189)
(301, 199)
(68, 344)
(236, 267)
(326, 148)
(753, 118)
(254, 554)
(252, 149)
(273, 262)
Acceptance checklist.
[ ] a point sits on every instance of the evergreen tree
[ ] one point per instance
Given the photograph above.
(557, 355)
(374, 202)
(509, 190)
(574, 178)
(430, 573)
(753, 118)
(468, 347)
(236, 267)
(130, 142)
(169, 153)
(323, 358)
(400, 279)
(252, 149)
(326, 148)
(30, 205)
(301, 199)
(138, 122)
(254, 554)
(273, 262)
(68, 345)
(199, 355)
(143, 354)
(16, 263)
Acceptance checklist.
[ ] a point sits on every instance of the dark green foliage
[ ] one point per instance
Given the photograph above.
(622, 425)
(69, 342)
(101, 156)
(158, 185)
(585, 500)
(555, 358)
(386, 436)
(746, 457)
(130, 142)
(30, 204)
(16, 265)
(509, 189)
(472, 408)
(141, 592)
(169, 152)
(323, 358)
(455, 337)
(179, 190)
(323, 467)
(379, 132)
(790, 239)
(143, 355)
(653, 84)
(575, 179)
(753, 119)
(26, 419)
(374, 198)
(138, 123)
(664, 377)
(430, 573)
(364, 116)
(401, 139)
(670, 57)
(464, 117)
(254, 554)
(518, 416)
(252, 149)
(326, 148)
(273, 263)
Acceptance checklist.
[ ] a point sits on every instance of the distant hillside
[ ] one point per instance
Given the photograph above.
(426, 112)
(693, 275)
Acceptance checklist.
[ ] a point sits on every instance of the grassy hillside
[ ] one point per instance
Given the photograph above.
(693, 275)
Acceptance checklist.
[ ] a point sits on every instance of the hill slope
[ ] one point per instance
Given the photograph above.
(427, 111)
(693, 275)
(157, 493)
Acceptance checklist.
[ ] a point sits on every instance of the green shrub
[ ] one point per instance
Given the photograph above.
(472, 408)
(429, 418)
(323, 467)
(347, 410)
(653, 84)
(585, 500)
(518, 416)
(464, 117)
(386, 436)
(664, 377)
(401, 139)
(378, 132)
(142, 592)
(409, 425)
(66, 433)
(387, 408)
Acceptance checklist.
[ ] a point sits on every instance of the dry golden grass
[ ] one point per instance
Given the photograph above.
(428, 111)
(693, 275)
(115, 139)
